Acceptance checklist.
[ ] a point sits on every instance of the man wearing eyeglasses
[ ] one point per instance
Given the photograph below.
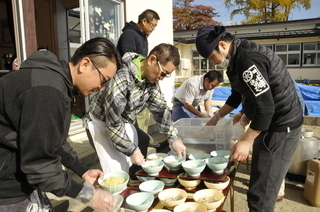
(112, 112)
(134, 39)
(35, 115)
(134, 35)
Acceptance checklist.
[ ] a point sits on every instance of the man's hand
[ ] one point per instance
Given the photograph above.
(240, 150)
(92, 175)
(137, 158)
(214, 120)
(179, 148)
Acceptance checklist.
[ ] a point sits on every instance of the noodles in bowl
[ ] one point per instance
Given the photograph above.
(114, 182)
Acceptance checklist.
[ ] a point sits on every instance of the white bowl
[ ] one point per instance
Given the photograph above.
(190, 206)
(210, 198)
(118, 187)
(174, 162)
(194, 167)
(172, 153)
(168, 181)
(152, 186)
(199, 156)
(140, 201)
(188, 184)
(217, 185)
(217, 164)
(152, 167)
(157, 156)
(220, 153)
(172, 197)
(145, 178)
(120, 198)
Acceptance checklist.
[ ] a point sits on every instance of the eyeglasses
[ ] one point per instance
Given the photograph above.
(163, 74)
(104, 79)
(152, 25)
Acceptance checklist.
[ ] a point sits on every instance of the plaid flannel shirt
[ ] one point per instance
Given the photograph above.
(123, 98)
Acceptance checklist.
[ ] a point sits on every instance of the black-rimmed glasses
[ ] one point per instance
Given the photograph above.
(163, 74)
(103, 77)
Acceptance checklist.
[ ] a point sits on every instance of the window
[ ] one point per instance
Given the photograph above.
(311, 53)
(289, 53)
(201, 65)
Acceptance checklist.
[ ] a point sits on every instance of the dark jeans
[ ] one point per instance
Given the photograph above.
(271, 158)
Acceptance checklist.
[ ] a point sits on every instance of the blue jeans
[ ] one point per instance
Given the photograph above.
(271, 158)
(179, 111)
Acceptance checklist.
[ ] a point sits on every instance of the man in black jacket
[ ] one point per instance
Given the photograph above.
(260, 78)
(35, 115)
(134, 35)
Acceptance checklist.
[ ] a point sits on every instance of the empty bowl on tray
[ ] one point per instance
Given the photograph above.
(140, 201)
(157, 156)
(220, 153)
(199, 156)
(174, 162)
(114, 182)
(190, 206)
(194, 167)
(188, 184)
(152, 186)
(217, 164)
(217, 185)
(172, 197)
(168, 181)
(210, 198)
(172, 153)
(152, 167)
(145, 178)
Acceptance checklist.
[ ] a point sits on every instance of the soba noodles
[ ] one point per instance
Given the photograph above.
(113, 181)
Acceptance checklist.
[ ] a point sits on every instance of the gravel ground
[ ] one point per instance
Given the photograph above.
(293, 201)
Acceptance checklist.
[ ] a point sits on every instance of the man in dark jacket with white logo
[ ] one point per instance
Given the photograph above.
(260, 78)
(35, 115)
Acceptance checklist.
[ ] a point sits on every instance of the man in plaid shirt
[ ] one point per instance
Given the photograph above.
(120, 145)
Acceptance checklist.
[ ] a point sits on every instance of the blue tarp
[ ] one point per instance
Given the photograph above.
(310, 94)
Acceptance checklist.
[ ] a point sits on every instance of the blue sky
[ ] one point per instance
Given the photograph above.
(313, 12)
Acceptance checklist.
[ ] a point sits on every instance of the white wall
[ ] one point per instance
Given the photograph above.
(162, 34)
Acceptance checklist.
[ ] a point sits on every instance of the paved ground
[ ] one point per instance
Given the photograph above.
(293, 202)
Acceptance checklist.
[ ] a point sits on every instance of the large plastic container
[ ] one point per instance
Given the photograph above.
(200, 138)
(193, 128)
(311, 191)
